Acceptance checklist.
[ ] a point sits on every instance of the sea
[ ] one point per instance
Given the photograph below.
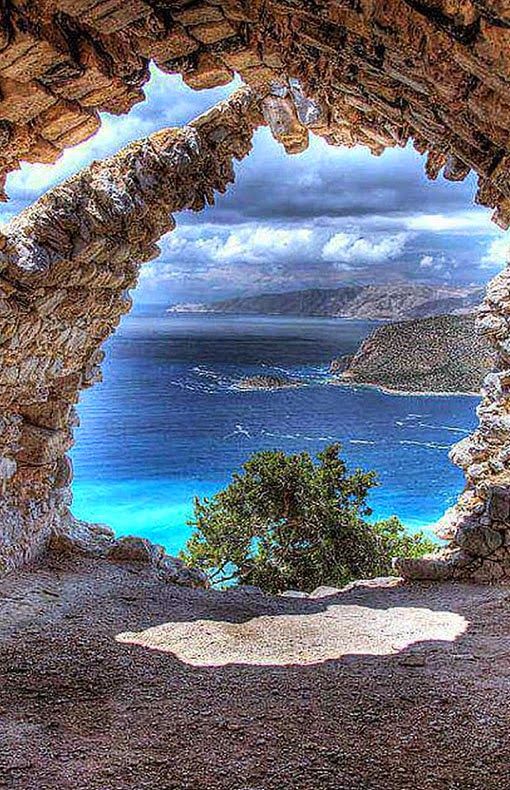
(168, 424)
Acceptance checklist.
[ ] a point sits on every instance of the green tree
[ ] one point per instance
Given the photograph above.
(286, 521)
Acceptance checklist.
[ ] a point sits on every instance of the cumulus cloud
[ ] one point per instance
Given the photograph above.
(498, 253)
(352, 247)
(436, 263)
(261, 243)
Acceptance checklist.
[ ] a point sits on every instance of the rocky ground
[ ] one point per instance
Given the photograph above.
(110, 678)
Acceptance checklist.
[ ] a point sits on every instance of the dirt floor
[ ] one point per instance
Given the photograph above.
(110, 678)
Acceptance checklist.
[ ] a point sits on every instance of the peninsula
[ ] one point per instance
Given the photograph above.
(435, 354)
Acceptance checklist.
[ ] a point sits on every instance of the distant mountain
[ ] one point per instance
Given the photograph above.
(377, 302)
(435, 354)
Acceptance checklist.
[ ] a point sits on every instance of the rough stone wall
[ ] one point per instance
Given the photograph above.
(66, 264)
(478, 526)
(381, 71)
(372, 72)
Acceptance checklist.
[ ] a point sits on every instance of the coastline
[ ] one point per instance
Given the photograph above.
(268, 314)
(338, 382)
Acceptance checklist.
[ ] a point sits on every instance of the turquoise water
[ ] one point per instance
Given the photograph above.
(167, 423)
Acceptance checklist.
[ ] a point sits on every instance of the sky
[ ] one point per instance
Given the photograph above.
(327, 217)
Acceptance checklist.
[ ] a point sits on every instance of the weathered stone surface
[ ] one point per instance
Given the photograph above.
(448, 564)
(66, 263)
(134, 549)
(75, 536)
(478, 540)
(72, 536)
(499, 504)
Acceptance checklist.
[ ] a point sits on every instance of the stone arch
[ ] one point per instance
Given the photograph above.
(380, 73)
(66, 265)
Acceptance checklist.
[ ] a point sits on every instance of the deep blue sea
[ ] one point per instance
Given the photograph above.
(167, 423)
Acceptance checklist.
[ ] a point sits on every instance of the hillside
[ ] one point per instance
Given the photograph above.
(376, 302)
(437, 354)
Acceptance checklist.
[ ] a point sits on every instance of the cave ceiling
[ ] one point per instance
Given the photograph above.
(380, 73)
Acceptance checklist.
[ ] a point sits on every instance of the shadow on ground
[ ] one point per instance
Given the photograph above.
(111, 679)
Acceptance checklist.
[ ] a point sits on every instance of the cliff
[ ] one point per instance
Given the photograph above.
(437, 354)
(377, 302)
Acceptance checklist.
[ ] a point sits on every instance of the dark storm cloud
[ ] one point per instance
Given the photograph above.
(330, 183)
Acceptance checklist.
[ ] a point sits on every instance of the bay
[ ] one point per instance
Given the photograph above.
(168, 423)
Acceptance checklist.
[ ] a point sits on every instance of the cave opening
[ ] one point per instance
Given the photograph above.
(106, 219)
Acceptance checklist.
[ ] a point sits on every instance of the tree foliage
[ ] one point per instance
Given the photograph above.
(287, 521)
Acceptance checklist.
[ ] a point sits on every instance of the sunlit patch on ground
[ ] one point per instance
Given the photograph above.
(305, 638)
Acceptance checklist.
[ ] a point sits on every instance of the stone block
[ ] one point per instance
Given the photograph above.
(54, 414)
(493, 45)
(478, 540)
(177, 572)
(134, 549)
(40, 446)
(490, 572)
(72, 536)
(240, 10)
(21, 101)
(64, 472)
(280, 114)
(463, 13)
(109, 16)
(214, 32)
(499, 503)
(176, 44)
(75, 8)
(500, 176)
(66, 124)
(198, 13)
(208, 72)
(241, 59)
(438, 567)
(27, 57)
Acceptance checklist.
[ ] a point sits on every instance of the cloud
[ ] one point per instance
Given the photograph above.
(498, 253)
(352, 247)
(471, 220)
(261, 243)
(437, 263)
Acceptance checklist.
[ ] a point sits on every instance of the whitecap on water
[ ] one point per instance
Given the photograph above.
(239, 430)
(450, 428)
(430, 445)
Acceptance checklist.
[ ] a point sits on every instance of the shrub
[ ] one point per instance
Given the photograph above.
(287, 521)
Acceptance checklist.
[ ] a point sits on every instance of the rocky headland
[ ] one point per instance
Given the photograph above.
(441, 354)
